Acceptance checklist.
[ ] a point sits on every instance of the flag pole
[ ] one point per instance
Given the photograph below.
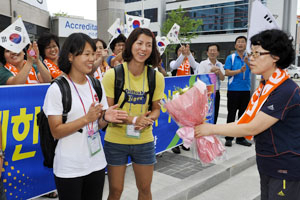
(178, 40)
(143, 8)
(253, 76)
(110, 42)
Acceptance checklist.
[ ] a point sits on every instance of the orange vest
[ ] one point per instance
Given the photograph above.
(184, 68)
(31, 78)
(53, 68)
(100, 71)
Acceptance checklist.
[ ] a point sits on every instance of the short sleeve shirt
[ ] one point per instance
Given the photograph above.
(5, 74)
(108, 60)
(72, 157)
(241, 81)
(137, 105)
(278, 147)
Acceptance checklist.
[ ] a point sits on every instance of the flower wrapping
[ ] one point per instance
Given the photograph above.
(188, 110)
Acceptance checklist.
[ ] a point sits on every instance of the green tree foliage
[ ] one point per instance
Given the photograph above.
(60, 14)
(188, 26)
(188, 30)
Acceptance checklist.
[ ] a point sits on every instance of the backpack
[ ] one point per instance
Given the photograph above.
(119, 85)
(47, 142)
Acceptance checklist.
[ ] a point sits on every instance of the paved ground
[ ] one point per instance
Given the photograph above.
(183, 177)
(180, 177)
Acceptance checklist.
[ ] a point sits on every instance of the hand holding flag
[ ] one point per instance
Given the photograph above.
(115, 29)
(173, 34)
(15, 37)
(162, 43)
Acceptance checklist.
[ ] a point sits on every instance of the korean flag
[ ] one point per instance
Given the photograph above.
(260, 19)
(133, 22)
(115, 29)
(173, 34)
(162, 43)
(15, 37)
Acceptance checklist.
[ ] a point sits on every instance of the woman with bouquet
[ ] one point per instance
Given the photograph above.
(133, 138)
(272, 117)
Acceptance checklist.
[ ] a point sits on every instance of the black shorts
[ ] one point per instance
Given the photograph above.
(278, 189)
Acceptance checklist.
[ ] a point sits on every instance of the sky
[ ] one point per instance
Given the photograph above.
(85, 8)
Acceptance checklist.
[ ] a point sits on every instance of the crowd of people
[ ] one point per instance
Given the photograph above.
(80, 158)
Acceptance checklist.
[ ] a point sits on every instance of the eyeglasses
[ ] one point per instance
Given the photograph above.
(51, 47)
(121, 44)
(256, 54)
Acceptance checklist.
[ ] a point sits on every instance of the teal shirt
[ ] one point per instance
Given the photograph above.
(5, 74)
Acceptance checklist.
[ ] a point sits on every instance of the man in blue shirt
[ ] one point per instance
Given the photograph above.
(238, 94)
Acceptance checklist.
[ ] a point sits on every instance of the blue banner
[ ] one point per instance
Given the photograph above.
(24, 175)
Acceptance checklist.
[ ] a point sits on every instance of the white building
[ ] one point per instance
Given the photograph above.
(35, 15)
(37, 20)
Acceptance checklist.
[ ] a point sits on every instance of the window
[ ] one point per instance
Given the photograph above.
(135, 13)
(148, 13)
(151, 14)
(130, 1)
(221, 18)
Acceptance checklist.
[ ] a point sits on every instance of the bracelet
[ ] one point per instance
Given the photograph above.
(134, 120)
(2, 154)
(103, 117)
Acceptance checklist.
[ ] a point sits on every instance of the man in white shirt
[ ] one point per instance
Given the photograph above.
(212, 65)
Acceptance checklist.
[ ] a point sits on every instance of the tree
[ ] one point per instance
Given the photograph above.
(188, 26)
(60, 14)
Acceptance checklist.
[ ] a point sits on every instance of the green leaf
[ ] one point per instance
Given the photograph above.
(188, 27)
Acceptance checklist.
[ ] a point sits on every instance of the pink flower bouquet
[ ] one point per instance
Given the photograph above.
(188, 110)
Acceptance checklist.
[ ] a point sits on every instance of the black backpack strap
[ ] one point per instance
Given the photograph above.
(97, 86)
(152, 84)
(119, 85)
(66, 95)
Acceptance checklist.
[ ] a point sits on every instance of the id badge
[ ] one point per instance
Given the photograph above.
(94, 143)
(131, 132)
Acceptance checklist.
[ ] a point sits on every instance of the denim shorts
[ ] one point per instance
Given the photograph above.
(118, 154)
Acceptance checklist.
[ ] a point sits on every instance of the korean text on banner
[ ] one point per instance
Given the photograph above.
(24, 175)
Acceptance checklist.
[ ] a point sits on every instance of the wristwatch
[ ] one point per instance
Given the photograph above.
(2, 154)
